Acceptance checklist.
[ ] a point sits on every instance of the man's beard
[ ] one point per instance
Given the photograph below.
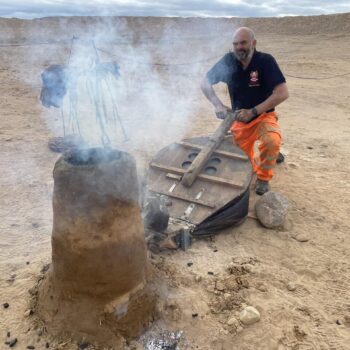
(243, 55)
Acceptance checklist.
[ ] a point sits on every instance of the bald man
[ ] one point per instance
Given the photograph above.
(256, 86)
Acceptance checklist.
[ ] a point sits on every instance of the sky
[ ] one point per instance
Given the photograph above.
(171, 8)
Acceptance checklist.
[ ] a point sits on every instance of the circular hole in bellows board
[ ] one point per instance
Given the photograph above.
(210, 170)
(214, 161)
(192, 155)
(186, 164)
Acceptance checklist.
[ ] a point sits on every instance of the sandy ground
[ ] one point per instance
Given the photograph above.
(316, 127)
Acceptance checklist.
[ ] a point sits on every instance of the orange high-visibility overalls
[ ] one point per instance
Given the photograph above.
(266, 130)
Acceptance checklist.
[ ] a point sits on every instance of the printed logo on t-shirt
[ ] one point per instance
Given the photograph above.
(254, 78)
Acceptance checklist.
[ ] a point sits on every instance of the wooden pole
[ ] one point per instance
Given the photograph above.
(204, 155)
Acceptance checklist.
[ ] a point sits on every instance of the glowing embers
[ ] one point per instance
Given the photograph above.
(211, 166)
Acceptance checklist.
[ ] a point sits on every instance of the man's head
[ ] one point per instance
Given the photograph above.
(244, 44)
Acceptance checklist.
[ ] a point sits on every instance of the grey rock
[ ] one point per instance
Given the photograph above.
(271, 209)
(291, 287)
(249, 315)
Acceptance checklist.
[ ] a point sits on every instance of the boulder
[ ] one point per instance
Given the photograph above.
(271, 209)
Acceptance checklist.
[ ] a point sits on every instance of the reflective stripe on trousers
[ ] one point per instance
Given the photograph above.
(266, 130)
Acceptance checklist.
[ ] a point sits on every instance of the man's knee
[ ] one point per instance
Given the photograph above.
(271, 140)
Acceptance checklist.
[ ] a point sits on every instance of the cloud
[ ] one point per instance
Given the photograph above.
(182, 8)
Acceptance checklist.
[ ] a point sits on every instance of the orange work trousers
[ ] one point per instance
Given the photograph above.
(266, 130)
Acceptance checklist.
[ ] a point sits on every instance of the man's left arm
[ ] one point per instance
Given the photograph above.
(279, 94)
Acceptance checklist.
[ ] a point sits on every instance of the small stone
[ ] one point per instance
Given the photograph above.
(293, 165)
(262, 288)
(210, 273)
(28, 313)
(291, 287)
(249, 315)
(338, 322)
(12, 278)
(210, 287)
(6, 305)
(171, 304)
(8, 334)
(220, 286)
(239, 329)
(168, 243)
(198, 278)
(83, 346)
(227, 296)
(232, 321)
(27, 262)
(47, 345)
(190, 263)
(271, 209)
(195, 315)
(33, 290)
(301, 238)
(224, 331)
(248, 268)
(230, 266)
(31, 347)
(300, 334)
(13, 343)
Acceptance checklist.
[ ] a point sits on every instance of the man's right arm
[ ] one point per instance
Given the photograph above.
(209, 93)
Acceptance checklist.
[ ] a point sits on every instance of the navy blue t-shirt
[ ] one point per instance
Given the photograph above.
(251, 86)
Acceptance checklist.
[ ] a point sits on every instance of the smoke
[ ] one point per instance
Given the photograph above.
(161, 63)
(157, 94)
